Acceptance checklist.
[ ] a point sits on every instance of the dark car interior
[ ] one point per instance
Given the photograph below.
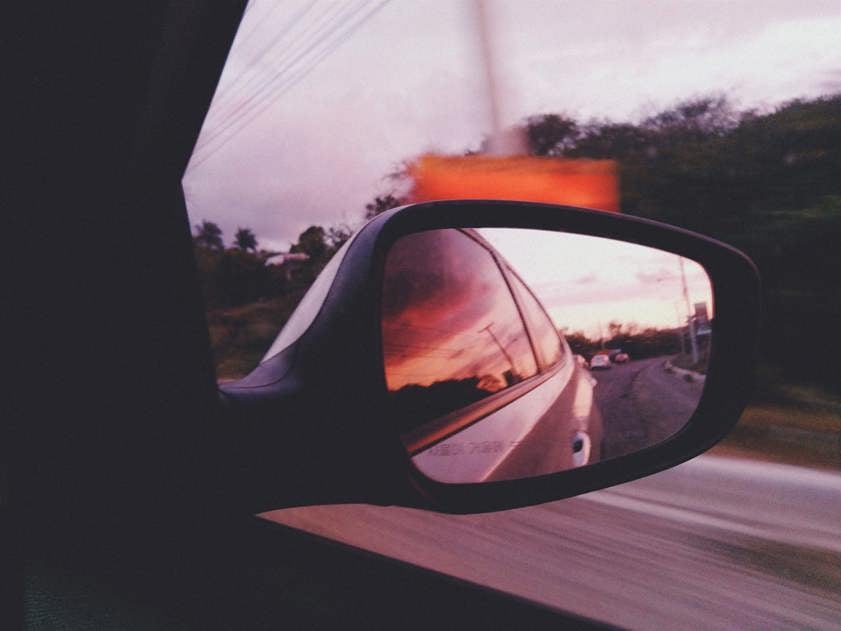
(131, 481)
(115, 510)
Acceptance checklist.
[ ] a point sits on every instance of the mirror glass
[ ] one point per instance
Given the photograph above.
(512, 353)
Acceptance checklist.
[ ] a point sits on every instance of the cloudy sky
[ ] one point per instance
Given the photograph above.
(320, 100)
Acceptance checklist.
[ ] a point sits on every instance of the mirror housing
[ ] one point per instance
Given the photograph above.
(311, 421)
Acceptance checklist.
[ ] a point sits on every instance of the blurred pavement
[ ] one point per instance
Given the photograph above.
(716, 543)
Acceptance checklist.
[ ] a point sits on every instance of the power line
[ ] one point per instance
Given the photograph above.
(251, 64)
(256, 81)
(244, 119)
(241, 111)
(258, 85)
(242, 115)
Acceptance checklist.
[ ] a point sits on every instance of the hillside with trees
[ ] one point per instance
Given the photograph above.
(767, 182)
(251, 292)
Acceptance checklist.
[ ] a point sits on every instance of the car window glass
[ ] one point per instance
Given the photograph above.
(545, 336)
(451, 331)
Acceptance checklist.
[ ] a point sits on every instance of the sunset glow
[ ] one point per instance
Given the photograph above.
(587, 183)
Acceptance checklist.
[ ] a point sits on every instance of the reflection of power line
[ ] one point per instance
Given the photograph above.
(433, 347)
(418, 355)
(419, 327)
(430, 348)
(498, 343)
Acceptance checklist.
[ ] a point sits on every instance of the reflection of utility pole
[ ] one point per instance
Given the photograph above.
(601, 335)
(501, 347)
(689, 319)
(680, 329)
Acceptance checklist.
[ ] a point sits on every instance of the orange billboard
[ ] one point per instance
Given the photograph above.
(586, 183)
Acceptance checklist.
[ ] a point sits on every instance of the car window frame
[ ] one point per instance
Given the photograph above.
(533, 334)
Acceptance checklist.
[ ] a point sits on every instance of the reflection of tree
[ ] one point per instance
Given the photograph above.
(417, 404)
(491, 383)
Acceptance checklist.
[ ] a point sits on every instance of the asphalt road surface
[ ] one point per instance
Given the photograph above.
(716, 543)
(642, 404)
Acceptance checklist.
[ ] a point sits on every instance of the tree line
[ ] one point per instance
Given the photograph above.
(242, 273)
(768, 182)
(638, 342)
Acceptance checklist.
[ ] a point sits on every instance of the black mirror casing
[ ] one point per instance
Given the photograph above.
(310, 425)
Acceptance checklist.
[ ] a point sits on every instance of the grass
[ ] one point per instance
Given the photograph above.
(685, 361)
(796, 424)
(240, 336)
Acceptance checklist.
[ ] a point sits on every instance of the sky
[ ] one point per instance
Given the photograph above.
(319, 101)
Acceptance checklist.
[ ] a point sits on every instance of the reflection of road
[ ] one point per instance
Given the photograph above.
(642, 404)
(716, 543)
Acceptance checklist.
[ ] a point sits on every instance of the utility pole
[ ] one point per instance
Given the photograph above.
(486, 55)
(689, 319)
(500, 143)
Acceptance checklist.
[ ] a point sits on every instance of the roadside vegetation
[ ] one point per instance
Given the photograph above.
(767, 182)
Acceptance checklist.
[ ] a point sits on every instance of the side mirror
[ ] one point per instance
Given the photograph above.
(470, 356)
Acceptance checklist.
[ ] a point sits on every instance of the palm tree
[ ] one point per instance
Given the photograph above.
(209, 235)
(245, 240)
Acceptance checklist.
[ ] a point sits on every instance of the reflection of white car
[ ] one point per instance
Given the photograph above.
(486, 388)
(600, 362)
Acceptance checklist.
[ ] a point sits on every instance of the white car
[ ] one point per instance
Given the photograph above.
(600, 362)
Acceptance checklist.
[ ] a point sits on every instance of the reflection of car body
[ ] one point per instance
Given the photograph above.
(621, 358)
(599, 362)
(510, 400)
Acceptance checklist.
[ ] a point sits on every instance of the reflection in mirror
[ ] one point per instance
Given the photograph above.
(513, 353)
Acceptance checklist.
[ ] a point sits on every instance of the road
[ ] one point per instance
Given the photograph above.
(716, 543)
(642, 404)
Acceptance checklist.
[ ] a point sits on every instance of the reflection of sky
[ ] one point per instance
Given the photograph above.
(586, 282)
(444, 303)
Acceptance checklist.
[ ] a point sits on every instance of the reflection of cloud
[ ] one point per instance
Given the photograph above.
(587, 279)
(651, 277)
(560, 296)
(648, 296)
(447, 314)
